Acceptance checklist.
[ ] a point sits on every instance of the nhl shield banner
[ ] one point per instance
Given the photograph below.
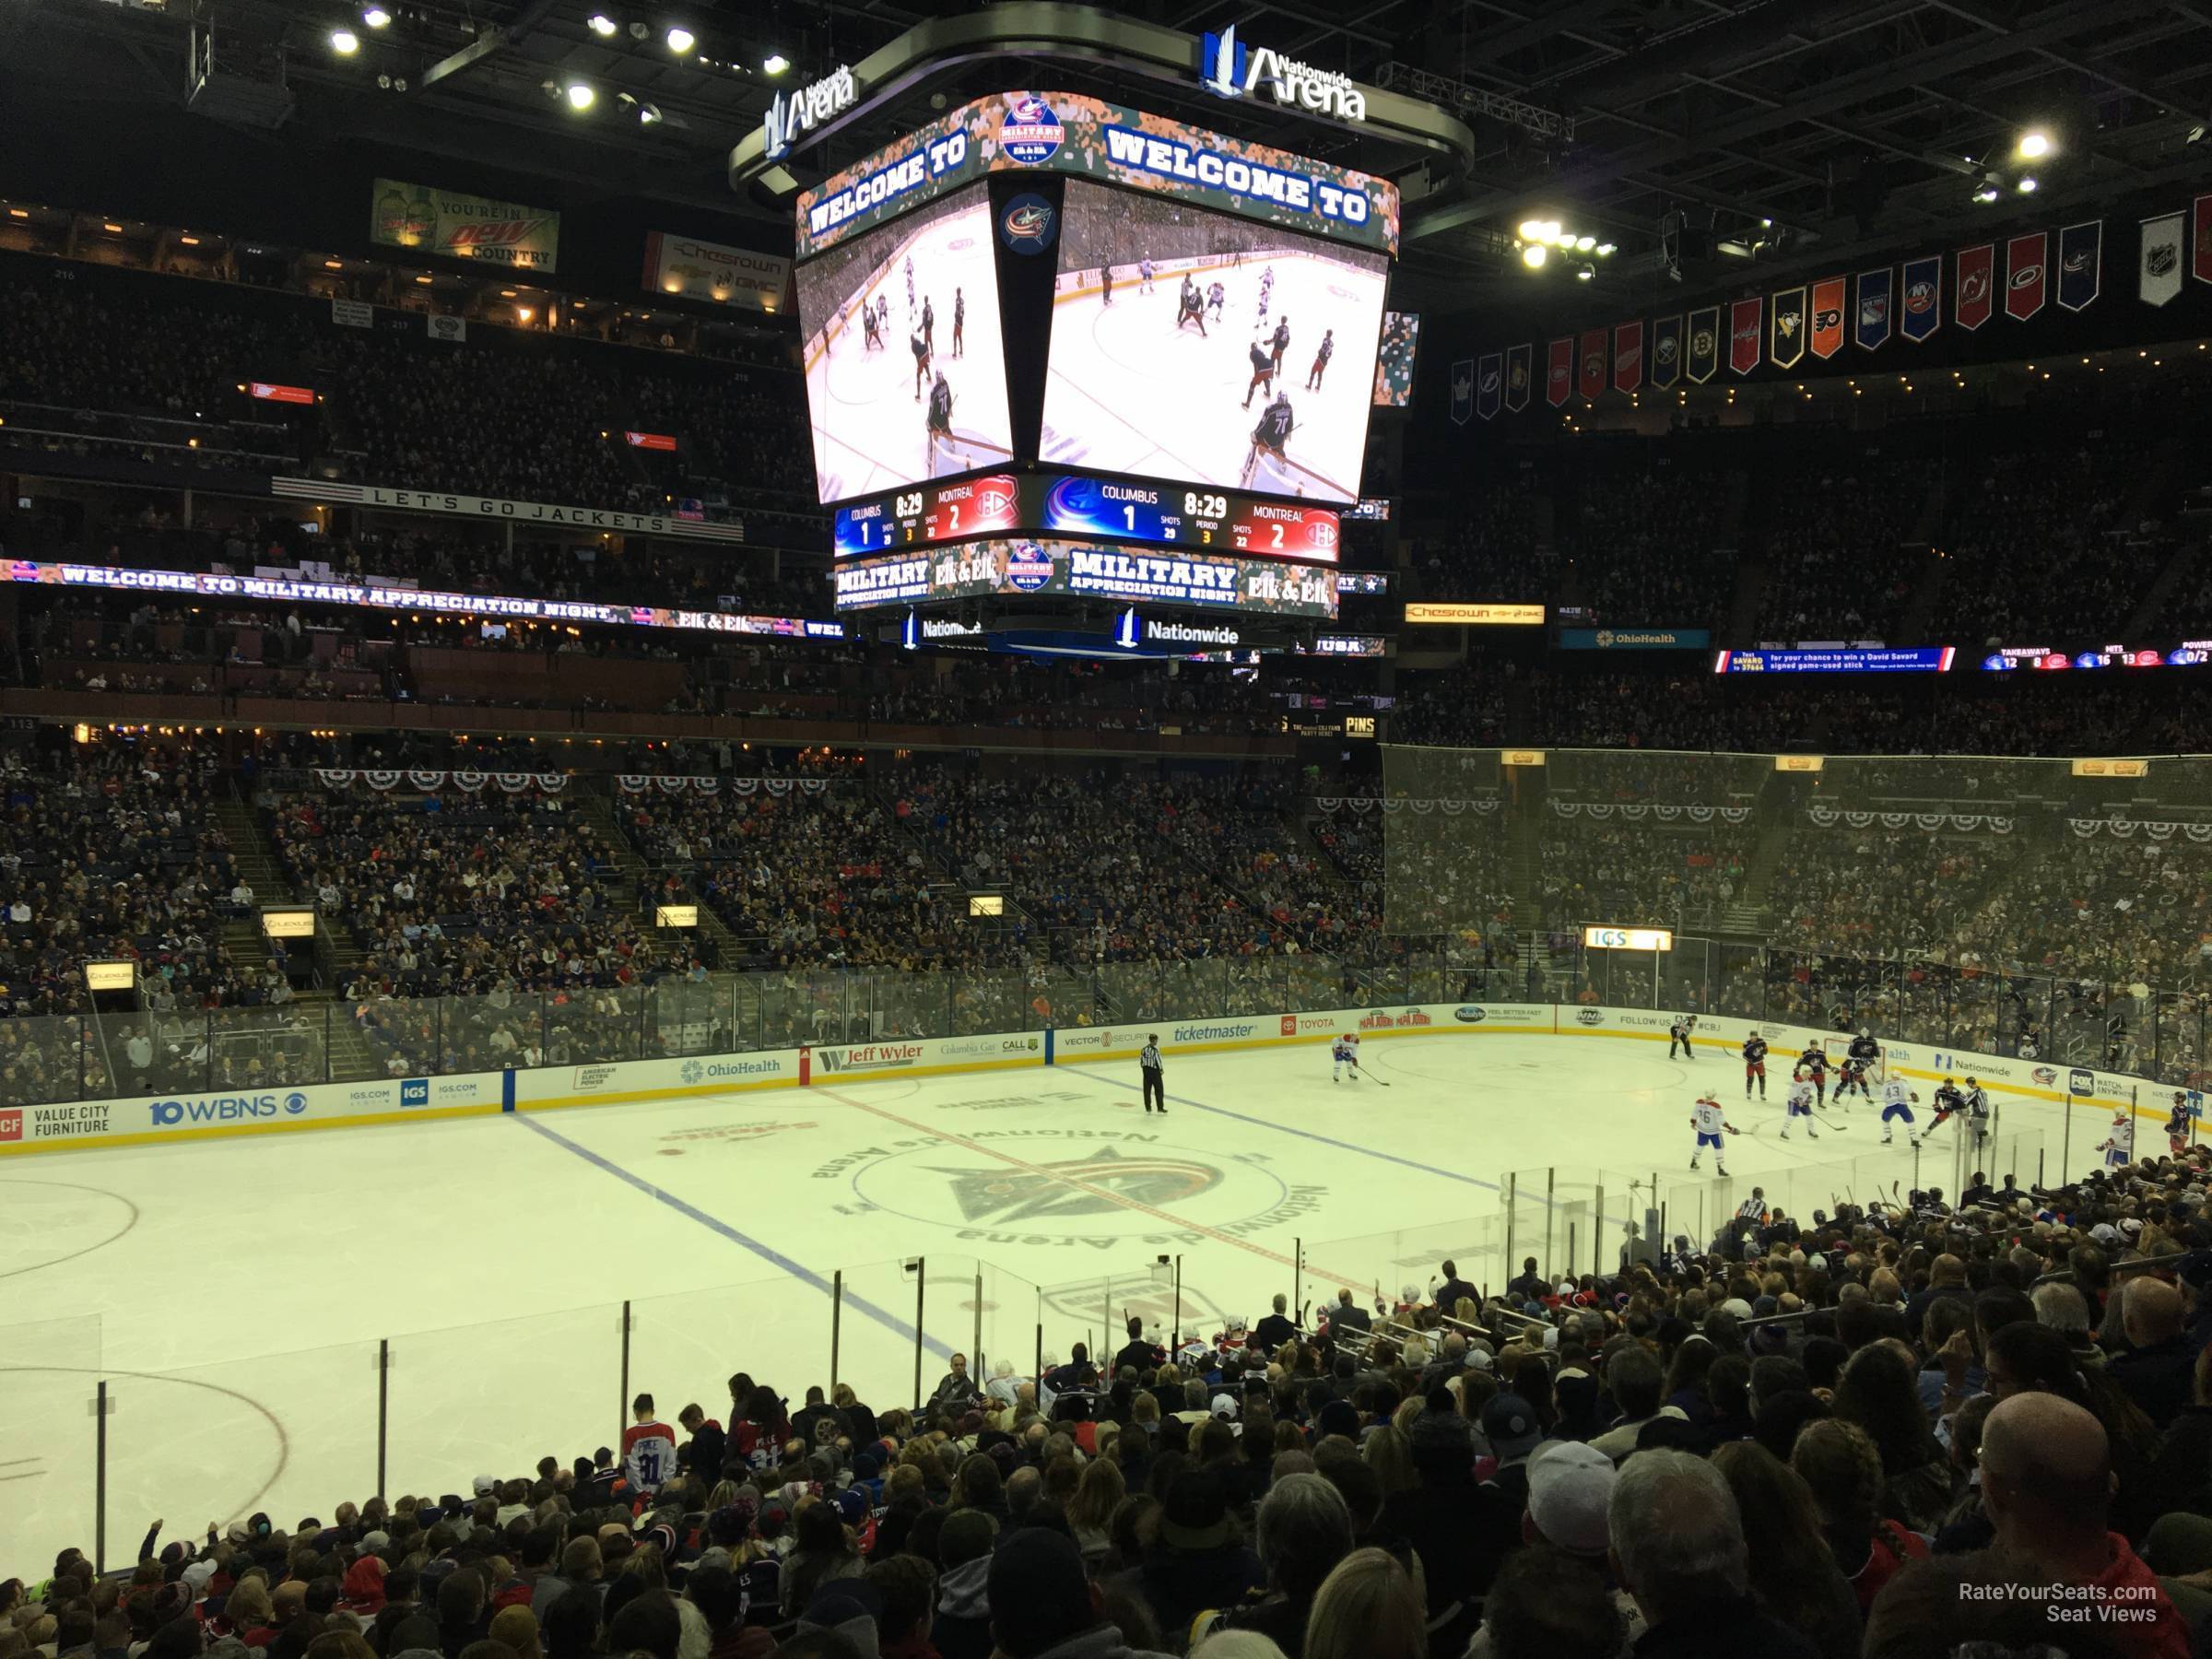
(1921, 300)
(1870, 317)
(1490, 375)
(1590, 381)
(1517, 371)
(1743, 343)
(1666, 351)
(1463, 391)
(1702, 347)
(1559, 374)
(2080, 264)
(1828, 316)
(2159, 270)
(1973, 293)
(2025, 257)
(2200, 238)
(1628, 357)
(1788, 343)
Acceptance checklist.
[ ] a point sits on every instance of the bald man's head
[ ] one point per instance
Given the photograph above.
(2046, 1472)
(2151, 1311)
(1947, 1269)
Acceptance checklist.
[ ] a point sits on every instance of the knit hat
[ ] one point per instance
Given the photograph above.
(848, 1606)
(1569, 1484)
(1039, 1597)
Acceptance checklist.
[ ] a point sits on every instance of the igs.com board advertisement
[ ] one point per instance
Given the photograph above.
(1190, 346)
(906, 378)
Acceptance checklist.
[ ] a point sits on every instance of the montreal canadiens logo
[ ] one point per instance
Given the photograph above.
(1030, 133)
(1028, 566)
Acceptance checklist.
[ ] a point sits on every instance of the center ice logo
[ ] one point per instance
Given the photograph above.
(1030, 134)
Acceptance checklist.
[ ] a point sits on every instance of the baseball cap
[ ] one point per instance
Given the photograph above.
(1569, 1484)
(1224, 1405)
(1508, 1423)
(485, 1484)
(2105, 1233)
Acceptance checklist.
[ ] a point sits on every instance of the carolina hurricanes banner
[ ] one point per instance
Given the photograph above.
(1463, 391)
(2025, 257)
(1704, 348)
(1786, 329)
(2200, 238)
(2159, 268)
(1743, 336)
(1627, 356)
(1870, 320)
(1828, 316)
(2080, 264)
(1488, 387)
(1923, 297)
(1558, 375)
(1516, 378)
(1973, 293)
(1666, 351)
(1591, 381)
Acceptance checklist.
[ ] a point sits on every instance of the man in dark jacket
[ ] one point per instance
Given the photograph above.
(962, 1626)
(1678, 1537)
(703, 1452)
(1139, 1354)
(1200, 1561)
(2155, 1372)
(1449, 1293)
(1460, 1529)
(1276, 1329)
(1042, 1606)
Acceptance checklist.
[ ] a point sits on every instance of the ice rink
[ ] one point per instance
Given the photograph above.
(869, 430)
(1129, 391)
(234, 1291)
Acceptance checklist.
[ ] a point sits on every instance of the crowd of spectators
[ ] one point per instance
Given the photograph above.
(1836, 543)
(1639, 543)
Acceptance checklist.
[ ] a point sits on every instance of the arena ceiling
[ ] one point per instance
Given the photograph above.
(1800, 132)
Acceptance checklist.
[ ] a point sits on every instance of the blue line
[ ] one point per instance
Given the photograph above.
(1086, 1073)
(859, 1304)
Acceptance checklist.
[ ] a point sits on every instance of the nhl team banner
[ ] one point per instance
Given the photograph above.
(1517, 371)
(1591, 379)
(2200, 238)
(1559, 374)
(1828, 316)
(1627, 356)
(1923, 297)
(688, 268)
(2159, 268)
(1743, 343)
(2080, 264)
(424, 219)
(1973, 293)
(1072, 133)
(1666, 351)
(1488, 389)
(1704, 348)
(1870, 318)
(2025, 257)
(1463, 391)
(1788, 328)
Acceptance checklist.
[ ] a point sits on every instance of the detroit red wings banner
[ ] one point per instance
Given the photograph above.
(1591, 379)
(1627, 356)
(1828, 316)
(1745, 347)
(1559, 376)
(2026, 259)
(1975, 292)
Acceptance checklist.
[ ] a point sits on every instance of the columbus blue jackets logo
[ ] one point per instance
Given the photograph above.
(1030, 133)
(1028, 566)
(2078, 262)
(1920, 298)
(1026, 225)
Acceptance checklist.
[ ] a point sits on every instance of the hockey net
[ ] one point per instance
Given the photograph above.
(1838, 1048)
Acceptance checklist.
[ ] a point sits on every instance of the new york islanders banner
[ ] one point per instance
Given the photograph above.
(1974, 290)
(1666, 351)
(1788, 342)
(2080, 264)
(1517, 371)
(1489, 388)
(1703, 346)
(2200, 238)
(1559, 374)
(1744, 343)
(1627, 356)
(1828, 316)
(2159, 268)
(1463, 391)
(2025, 257)
(1870, 318)
(1590, 381)
(1922, 293)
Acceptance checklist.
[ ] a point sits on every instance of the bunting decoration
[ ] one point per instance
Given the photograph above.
(1703, 345)
(1743, 336)
(1666, 351)
(1787, 344)
(1450, 806)
(1463, 391)
(1602, 810)
(1627, 356)
(1591, 379)
(1489, 385)
(430, 782)
(1828, 317)
(647, 783)
(1558, 378)
(2157, 829)
(1517, 371)
(1829, 816)
(1870, 326)
(2159, 266)
(1920, 297)
(2080, 264)
(2025, 257)
(1973, 293)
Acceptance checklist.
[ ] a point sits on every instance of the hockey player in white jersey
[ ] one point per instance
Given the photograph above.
(1897, 1106)
(1711, 1124)
(1344, 1052)
(2119, 1147)
(1800, 1106)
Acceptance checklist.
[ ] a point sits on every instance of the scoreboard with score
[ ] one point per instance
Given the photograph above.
(1066, 504)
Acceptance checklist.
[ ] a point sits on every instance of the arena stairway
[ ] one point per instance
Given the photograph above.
(600, 812)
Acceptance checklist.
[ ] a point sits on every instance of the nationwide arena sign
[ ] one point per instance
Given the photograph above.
(1020, 568)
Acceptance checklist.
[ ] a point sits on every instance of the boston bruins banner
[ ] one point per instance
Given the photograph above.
(1703, 346)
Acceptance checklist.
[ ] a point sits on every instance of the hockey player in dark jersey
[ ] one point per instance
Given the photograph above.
(2177, 1125)
(1855, 1076)
(960, 323)
(1320, 360)
(940, 415)
(1813, 1062)
(1263, 372)
(929, 323)
(921, 345)
(1105, 285)
(871, 330)
(1679, 1035)
(1280, 341)
(1949, 1102)
(1863, 1047)
(1755, 1065)
(1276, 424)
(1190, 307)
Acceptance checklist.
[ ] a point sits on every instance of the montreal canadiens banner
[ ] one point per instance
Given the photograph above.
(1743, 343)
(1559, 374)
(1828, 316)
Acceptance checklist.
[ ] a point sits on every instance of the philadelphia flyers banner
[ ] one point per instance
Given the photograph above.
(1558, 375)
(2025, 259)
(1974, 290)
(1627, 356)
(1517, 371)
(1828, 316)
(1743, 336)
(1591, 381)
(1702, 346)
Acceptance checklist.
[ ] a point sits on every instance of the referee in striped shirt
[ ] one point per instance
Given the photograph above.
(1155, 1088)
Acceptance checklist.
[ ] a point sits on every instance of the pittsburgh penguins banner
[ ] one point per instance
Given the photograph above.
(1973, 293)
(2159, 268)
(1463, 391)
(1923, 293)
(1627, 356)
(1591, 379)
(1489, 385)
(1743, 336)
(1828, 316)
(1666, 351)
(1704, 348)
(2025, 257)
(2200, 238)
(1559, 374)
(1787, 344)
(1870, 320)
(2080, 264)
(1517, 371)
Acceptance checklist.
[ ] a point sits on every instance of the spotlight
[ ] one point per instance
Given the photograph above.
(376, 17)
(345, 42)
(1537, 229)
(1988, 192)
(1605, 248)
(649, 114)
(2034, 145)
(1565, 238)
(1533, 256)
(600, 24)
(578, 94)
(2027, 184)
(1583, 273)
(681, 38)
(774, 63)
(1582, 244)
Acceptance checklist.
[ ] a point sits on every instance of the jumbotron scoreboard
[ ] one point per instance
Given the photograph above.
(1127, 510)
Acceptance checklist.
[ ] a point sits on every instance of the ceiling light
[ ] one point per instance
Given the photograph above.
(1988, 192)
(345, 42)
(376, 17)
(649, 114)
(681, 38)
(1582, 244)
(1533, 256)
(1605, 248)
(578, 94)
(112, 230)
(600, 24)
(774, 63)
(2027, 185)
(1564, 238)
(19, 213)
(190, 242)
(2034, 143)
(424, 280)
(1583, 273)
(333, 265)
(523, 311)
(1536, 229)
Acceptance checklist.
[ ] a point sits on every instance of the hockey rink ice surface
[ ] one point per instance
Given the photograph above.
(234, 1290)
(1130, 392)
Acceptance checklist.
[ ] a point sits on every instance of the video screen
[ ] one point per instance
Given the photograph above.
(1190, 346)
(1393, 363)
(906, 376)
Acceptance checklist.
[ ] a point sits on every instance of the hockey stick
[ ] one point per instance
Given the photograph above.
(1372, 1077)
